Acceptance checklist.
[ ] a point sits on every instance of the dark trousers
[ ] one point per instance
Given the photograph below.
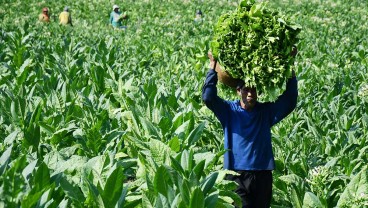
(254, 188)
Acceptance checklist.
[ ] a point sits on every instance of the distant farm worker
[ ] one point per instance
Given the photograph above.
(198, 16)
(116, 18)
(247, 134)
(65, 17)
(44, 16)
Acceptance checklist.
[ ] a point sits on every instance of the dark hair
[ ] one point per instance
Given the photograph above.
(239, 84)
(199, 12)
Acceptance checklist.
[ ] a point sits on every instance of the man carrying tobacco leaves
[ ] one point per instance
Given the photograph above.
(247, 132)
(255, 47)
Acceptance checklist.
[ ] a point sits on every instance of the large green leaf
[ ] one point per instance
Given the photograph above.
(174, 144)
(160, 151)
(195, 134)
(149, 128)
(311, 201)
(113, 187)
(211, 200)
(23, 71)
(198, 169)
(72, 191)
(94, 196)
(27, 171)
(41, 179)
(11, 137)
(32, 129)
(162, 181)
(197, 199)
(296, 185)
(357, 189)
(208, 183)
(185, 191)
(4, 159)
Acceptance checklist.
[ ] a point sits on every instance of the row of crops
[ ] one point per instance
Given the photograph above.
(96, 117)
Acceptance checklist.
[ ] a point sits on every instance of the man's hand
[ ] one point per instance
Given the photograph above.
(212, 60)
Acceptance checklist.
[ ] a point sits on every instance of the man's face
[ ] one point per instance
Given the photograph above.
(116, 9)
(248, 96)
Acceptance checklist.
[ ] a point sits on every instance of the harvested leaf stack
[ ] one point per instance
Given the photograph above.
(254, 43)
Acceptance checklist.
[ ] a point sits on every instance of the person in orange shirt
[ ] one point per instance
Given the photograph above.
(44, 16)
(65, 17)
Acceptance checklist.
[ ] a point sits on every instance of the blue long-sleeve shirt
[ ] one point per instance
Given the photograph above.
(247, 134)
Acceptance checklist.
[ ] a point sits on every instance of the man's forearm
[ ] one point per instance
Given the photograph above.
(209, 90)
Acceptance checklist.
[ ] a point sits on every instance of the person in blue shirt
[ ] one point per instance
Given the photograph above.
(116, 18)
(247, 134)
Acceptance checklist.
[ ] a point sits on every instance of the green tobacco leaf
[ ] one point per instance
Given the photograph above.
(72, 191)
(160, 151)
(29, 169)
(197, 199)
(208, 183)
(185, 191)
(113, 187)
(32, 129)
(253, 43)
(41, 182)
(162, 181)
(146, 200)
(357, 188)
(44, 199)
(198, 169)
(4, 159)
(311, 201)
(195, 134)
(59, 164)
(162, 201)
(174, 144)
(211, 200)
(176, 165)
(149, 128)
(295, 197)
(122, 197)
(99, 164)
(94, 194)
(187, 160)
(31, 199)
(64, 203)
(230, 196)
(11, 137)
(297, 188)
(23, 71)
(42, 177)
(181, 128)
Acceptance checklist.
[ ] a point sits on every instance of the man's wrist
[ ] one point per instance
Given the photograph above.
(213, 65)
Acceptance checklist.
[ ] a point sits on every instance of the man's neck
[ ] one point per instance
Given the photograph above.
(245, 107)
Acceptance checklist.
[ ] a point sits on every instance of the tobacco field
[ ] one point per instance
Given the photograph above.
(96, 117)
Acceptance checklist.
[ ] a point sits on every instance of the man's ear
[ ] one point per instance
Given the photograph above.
(238, 91)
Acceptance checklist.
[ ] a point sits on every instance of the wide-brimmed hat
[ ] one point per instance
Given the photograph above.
(115, 7)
